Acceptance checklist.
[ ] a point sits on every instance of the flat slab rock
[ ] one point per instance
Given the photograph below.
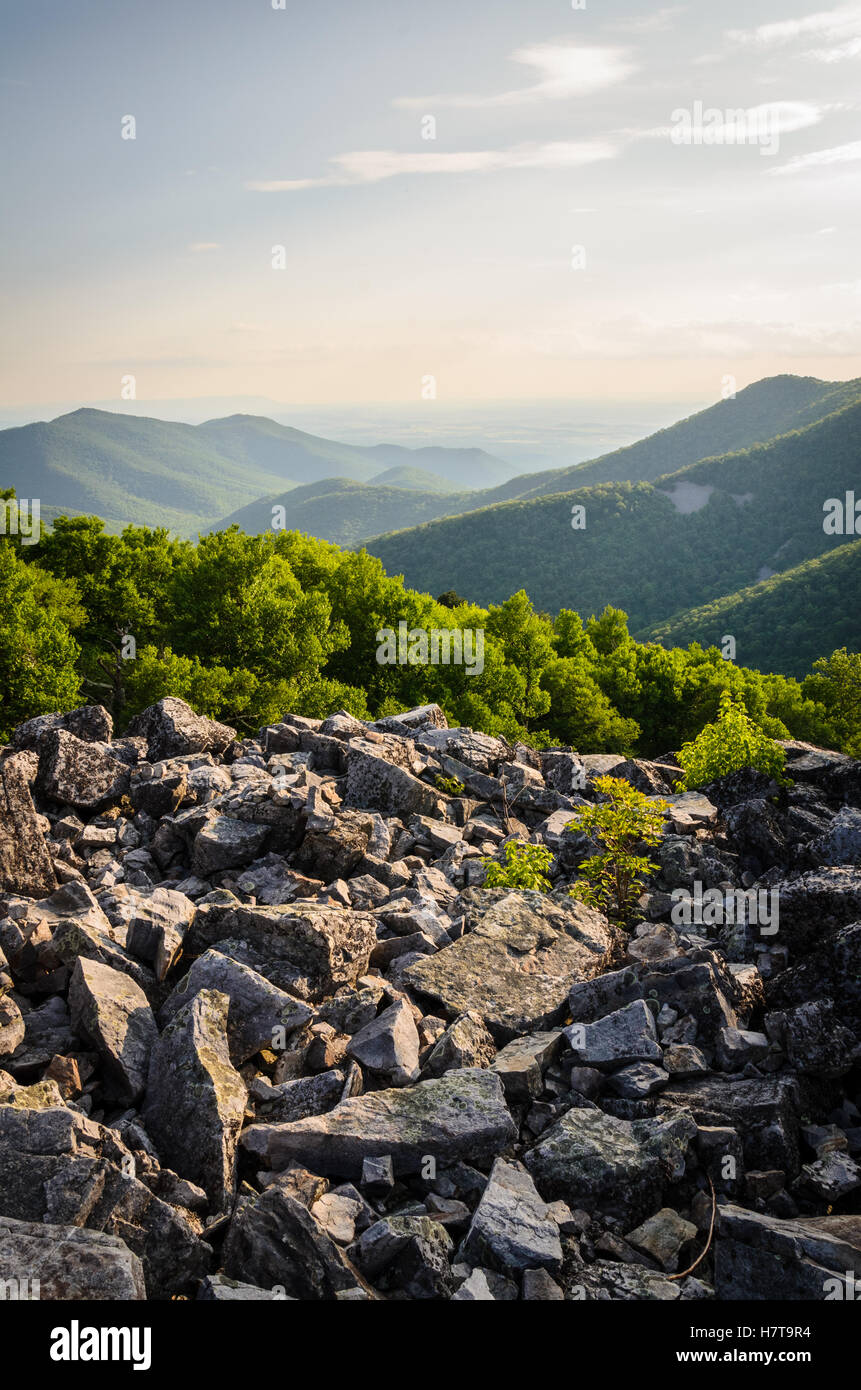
(517, 964)
(461, 1115)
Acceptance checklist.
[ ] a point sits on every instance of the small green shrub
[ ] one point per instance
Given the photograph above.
(612, 880)
(449, 785)
(526, 866)
(733, 742)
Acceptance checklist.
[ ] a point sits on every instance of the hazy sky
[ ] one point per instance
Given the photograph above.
(408, 257)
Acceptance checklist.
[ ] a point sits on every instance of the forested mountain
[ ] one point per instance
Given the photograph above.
(783, 623)
(130, 468)
(654, 549)
(416, 479)
(343, 511)
(762, 411)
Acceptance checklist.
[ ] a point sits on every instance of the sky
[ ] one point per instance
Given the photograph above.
(477, 203)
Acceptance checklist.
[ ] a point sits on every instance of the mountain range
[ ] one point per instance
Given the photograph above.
(710, 527)
(129, 468)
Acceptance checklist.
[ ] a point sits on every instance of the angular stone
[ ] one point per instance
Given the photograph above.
(465, 1043)
(389, 1046)
(274, 1242)
(156, 926)
(515, 967)
(409, 1254)
(322, 946)
(765, 1114)
(92, 723)
(79, 774)
(217, 1288)
(628, 1035)
(662, 1237)
(259, 1013)
(461, 1115)
(512, 1229)
(25, 864)
(638, 1081)
(376, 783)
(172, 729)
(735, 1048)
(68, 1263)
(195, 1100)
(226, 843)
(619, 1167)
(12, 1027)
(112, 1013)
(521, 1064)
(761, 1257)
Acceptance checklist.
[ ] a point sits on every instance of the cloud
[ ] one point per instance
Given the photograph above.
(821, 159)
(564, 70)
(204, 245)
(840, 29)
(372, 166)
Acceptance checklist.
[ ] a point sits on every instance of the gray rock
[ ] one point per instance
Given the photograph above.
(382, 785)
(521, 1064)
(626, 1036)
(761, 1257)
(322, 946)
(465, 1043)
(172, 729)
(512, 1229)
(389, 1046)
(79, 774)
(217, 1288)
(195, 1100)
(274, 1242)
(515, 966)
(638, 1081)
(25, 864)
(474, 1289)
(662, 1237)
(156, 924)
(260, 1015)
(764, 1112)
(68, 1263)
(112, 1013)
(226, 843)
(619, 1167)
(460, 1115)
(735, 1048)
(12, 1027)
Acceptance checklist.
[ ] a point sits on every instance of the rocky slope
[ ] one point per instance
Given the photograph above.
(264, 1035)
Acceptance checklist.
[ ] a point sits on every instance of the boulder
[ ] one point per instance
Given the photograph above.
(619, 1167)
(321, 947)
(68, 1263)
(195, 1100)
(112, 1013)
(462, 1115)
(25, 864)
(511, 1229)
(172, 729)
(84, 775)
(515, 966)
(259, 1014)
(762, 1257)
(388, 1047)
